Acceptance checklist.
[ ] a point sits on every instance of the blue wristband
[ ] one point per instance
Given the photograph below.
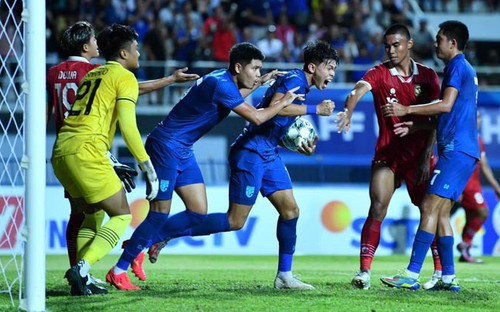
(311, 109)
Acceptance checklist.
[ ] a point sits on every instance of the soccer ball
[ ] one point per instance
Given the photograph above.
(297, 133)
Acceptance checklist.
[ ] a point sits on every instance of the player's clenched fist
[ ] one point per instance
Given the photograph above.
(325, 108)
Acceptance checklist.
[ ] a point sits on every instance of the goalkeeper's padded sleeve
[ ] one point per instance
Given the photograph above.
(130, 133)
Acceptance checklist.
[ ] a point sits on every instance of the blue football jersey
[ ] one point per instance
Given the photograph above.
(201, 108)
(457, 130)
(264, 139)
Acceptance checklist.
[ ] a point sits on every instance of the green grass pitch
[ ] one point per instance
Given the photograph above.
(244, 283)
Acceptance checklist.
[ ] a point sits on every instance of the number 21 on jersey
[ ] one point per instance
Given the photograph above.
(86, 87)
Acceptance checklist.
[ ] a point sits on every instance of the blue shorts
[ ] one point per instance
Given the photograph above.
(250, 173)
(451, 174)
(174, 167)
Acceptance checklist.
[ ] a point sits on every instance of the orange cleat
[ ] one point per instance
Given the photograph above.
(120, 281)
(137, 268)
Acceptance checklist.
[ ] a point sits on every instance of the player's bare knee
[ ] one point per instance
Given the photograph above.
(291, 213)
(237, 224)
(377, 210)
(427, 208)
(236, 220)
(162, 206)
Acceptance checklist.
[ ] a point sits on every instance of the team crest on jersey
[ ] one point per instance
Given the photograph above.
(164, 185)
(418, 90)
(250, 191)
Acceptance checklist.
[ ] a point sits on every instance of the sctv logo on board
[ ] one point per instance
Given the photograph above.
(396, 234)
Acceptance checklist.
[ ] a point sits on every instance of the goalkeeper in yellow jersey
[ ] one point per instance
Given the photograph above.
(107, 95)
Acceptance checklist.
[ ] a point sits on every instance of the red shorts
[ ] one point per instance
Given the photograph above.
(473, 198)
(407, 172)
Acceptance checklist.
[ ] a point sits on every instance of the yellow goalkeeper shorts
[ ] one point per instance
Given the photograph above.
(87, 173)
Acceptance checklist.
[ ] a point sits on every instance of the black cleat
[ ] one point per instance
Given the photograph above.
(77, 282)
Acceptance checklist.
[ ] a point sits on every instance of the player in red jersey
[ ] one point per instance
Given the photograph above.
(79, 45)
(476, 210)
(409, 158)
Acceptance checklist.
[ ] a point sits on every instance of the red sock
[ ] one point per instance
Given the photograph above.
(473, 225)
(74, 223)
(370, 238)
(435, 255)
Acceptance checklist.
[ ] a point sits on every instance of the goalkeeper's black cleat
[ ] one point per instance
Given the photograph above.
(77, 282)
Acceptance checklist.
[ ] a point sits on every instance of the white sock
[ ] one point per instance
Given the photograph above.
(285, 275)
(117, 270)
(438, 273)
(84, 267)
(412, 274)
(447, 279)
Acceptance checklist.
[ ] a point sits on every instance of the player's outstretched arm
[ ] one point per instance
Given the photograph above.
(488, 174)
(343, 119)
(434, 108)
(259, 116)
(325, 108)
(179, 75)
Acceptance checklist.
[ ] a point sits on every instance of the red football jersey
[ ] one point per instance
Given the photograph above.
(387, 86)
(62, 84)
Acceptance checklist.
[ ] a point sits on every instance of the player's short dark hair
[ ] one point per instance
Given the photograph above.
(243, 53)
(398, 29)
(456, 30)
(319, 51)
(73, 38)
(115, 38)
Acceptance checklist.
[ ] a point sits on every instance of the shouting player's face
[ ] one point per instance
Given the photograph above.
(249, 75)
(397, 48)
(323, 73)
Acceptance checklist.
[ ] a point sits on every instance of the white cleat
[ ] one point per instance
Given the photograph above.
(291, 283)
(433, 281)
(361, 280)
(95, 280)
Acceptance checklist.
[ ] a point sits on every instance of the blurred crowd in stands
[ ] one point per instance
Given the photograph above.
(192, 30)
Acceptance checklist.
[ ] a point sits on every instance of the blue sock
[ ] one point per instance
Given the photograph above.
(286, 233)
(214, 223)
(445, 249)
(180, 223)
(421, 245)
(141, 238)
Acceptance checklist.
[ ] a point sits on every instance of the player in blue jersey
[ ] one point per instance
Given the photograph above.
(458, 150)
(256, 165)
(170, 146)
